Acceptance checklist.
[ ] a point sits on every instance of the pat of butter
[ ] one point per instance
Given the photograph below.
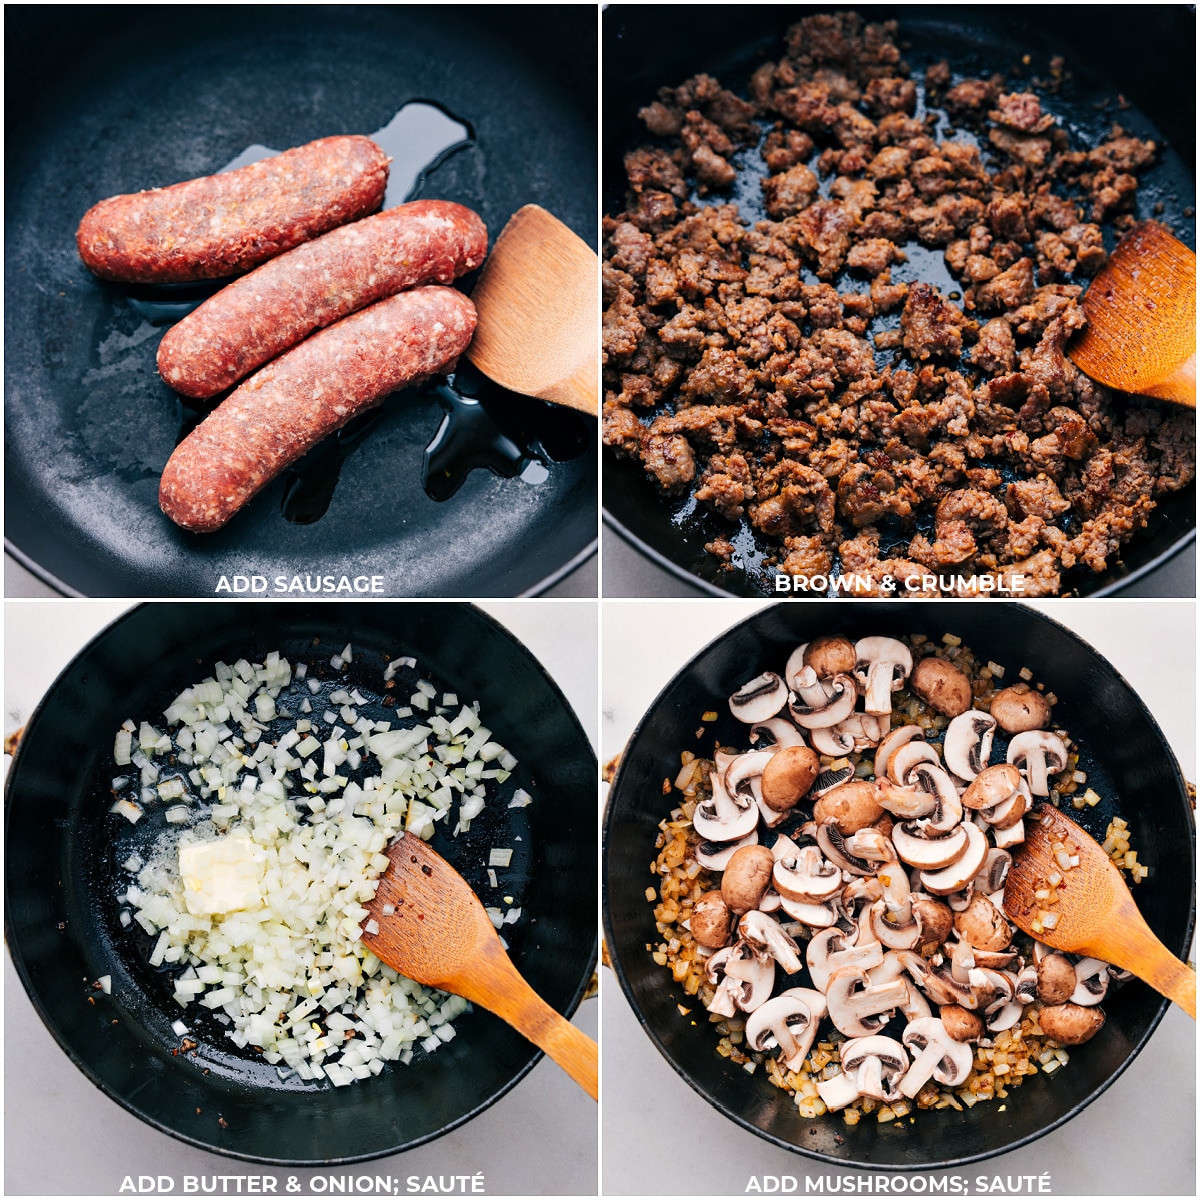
(221, 876)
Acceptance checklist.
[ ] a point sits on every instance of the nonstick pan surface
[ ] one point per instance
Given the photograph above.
(110, 99)
(1127, 753)
(1145, 54)
(63, 848)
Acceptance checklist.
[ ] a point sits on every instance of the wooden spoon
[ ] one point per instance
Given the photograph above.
(1096, 914)
(538, 300)
(440, 936)
(1141, 312)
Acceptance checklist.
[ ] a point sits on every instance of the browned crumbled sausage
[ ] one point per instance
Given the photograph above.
(823, 415)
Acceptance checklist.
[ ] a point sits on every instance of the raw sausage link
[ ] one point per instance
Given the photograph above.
(224, 224)
(284, 410)
(259, 316)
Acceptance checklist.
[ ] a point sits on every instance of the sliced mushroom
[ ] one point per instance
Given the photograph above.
(936, 1055)
(942, 686)
(836, 707)
(743, 979)
(816, 916)
(1020, 708)
(967, 744)
(1091, 977)
(938, 983)
(742, 774)
(711, 920)
(715, 856)
(859, 1008)
(807, 877)
(1042, 754)
(722, 817)
(947, 811)
(958, 874)
(830, 951)
(764, 934)
(776, 732)
(1070, 1024)
(908, 756)
(747, 877)
(789, 1022)
(892, 742)
(828, 780)
(882, 665)
(931, 853)
(851, 806)
(787, 777)
(859, 731)
(914, 1006)
(902, 800)
(1008, 812)
(935, 919)
(871, 1066)
(833, 846)
(993, 873)
(1014, 835)
(759, 699)
(897, 931)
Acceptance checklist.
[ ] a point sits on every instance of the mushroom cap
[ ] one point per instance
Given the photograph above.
(1020, 708)
(935, 918)
(829, 655)
(859, 1008)
(851, 806)
(759, 699)
(877, 1064)
(1056, 980)
(961, 1024)
(1091, 981)
(765, 934)
(777, 733)
(930, 853)
(1042, 754)
(937, 1055)
(942, 686)
(787, 777)
(905, 759)
(747, 877)
(723, 817)
(792, 1018)
(807, 877)
(983, 925)
(711, 921)
(1070, 1024)
(715, 856)
(830, 951)
(967, 743)
(992, 786)
(833, 846)
(882, 666)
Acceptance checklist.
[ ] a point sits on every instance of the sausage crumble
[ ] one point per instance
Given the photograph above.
(779, 374)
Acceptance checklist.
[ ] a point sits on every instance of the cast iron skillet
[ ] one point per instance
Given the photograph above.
(62, 878)
(119, 98)
(1146, 54)
(1128, 755)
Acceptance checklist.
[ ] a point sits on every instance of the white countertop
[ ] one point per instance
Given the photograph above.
(63, 1137)
(1138, 1138)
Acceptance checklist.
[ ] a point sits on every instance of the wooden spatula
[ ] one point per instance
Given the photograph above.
(1096, 914)
(1141, 311)
(440, 935)
(538, 300)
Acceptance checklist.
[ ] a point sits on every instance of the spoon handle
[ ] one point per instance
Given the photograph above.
(1139, 951)
(508, 996)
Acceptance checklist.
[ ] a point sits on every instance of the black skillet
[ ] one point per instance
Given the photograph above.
(1127, 759)
(109, 99)
(64, 849)
(1145, 53)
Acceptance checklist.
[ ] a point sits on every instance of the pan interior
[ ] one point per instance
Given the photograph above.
(647, 49)
(121, 99)
(63, 878)
(1126, 751)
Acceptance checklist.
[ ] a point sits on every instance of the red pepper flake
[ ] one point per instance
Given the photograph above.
(224, 1124)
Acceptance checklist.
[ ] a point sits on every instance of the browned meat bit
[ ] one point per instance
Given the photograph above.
(1038, 497)
(661, 120)
(784, 148)
(670, 459)
(727, 485)
(1021, 111)
(1008, 289)
(972, 96)
(891, 95)
(996, 350)
(937, 75)
(788, 193)
(650, 167)
(932, 326)
(806, 556)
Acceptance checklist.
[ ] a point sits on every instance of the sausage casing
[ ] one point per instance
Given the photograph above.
(257, 317)
(285, 409)
(224, 224)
